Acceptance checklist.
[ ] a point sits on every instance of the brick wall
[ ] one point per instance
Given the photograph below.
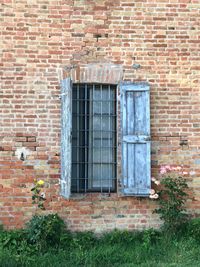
(43, 41)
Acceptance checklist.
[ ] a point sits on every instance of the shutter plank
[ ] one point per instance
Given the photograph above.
(66, 126)
(131, 165)
(135, 139)
(140, 113)
(130, 110)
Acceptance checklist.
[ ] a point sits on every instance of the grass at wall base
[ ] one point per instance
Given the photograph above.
(117, 248)
(40, 245)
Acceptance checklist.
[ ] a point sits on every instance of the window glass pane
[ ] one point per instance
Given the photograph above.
(93, 138)
(102, 176)
(102, 123)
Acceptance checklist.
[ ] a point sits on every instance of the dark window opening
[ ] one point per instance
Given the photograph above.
(93, 138)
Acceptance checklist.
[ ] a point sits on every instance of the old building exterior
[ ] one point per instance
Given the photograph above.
(94, 43)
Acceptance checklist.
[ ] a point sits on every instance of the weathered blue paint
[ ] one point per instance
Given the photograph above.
(66, 126)
(141, 86)
(197, 161)
(135, 121)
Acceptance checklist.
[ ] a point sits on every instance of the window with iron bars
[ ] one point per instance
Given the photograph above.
(93, 138)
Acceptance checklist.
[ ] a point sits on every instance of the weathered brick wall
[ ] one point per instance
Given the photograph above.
(43, 41)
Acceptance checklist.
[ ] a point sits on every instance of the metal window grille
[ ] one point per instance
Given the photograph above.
(93, 138)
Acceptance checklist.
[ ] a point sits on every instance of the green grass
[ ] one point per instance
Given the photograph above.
(115, 249)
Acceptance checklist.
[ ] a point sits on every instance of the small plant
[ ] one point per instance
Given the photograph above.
(15, 241)
(38, 197)
(84, 239)
(45, 231)
(172, 198)
(150, 236)
(11, 239)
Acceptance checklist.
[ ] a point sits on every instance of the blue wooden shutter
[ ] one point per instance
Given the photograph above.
(135, 121)
(66, 126)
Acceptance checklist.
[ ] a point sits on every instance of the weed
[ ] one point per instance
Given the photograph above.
(45, 231)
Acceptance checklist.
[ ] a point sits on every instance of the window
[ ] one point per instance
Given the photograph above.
(88, 138)
(93, 166)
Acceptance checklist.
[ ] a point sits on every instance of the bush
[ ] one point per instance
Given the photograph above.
(45, 231)
(172, 202)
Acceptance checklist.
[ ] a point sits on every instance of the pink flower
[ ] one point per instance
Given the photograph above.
(155, 196)
(157, 182)
(184, 173)
(163, 170)
(168, 167)
(153, 179)
(152, 191)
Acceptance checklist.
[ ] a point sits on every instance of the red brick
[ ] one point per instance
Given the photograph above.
(31, 139)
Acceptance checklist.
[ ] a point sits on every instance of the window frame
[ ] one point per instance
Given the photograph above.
(93, 106)
(66, 142)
